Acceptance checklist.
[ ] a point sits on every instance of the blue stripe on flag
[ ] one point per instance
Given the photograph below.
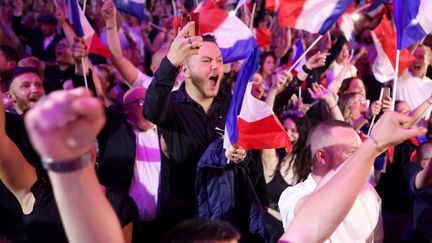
(240, 50)
(76, 21)
(408, 29)
(249, 67)
(132, 8)
(339, 9)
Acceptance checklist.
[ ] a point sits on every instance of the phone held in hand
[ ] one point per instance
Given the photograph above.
(189, 17)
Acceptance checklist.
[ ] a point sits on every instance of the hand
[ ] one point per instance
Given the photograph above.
(64, 124)
(182, 48)
(390, 130)
(235, 153)
(319, 92)
(79, 49)
(317, 60)
(109, 12)
(374, 109)
(279, 79)
(60, 15)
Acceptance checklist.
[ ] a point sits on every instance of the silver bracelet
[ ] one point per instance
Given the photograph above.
(67, 165)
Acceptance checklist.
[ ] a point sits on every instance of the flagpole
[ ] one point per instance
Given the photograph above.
(83, 59)
(84, 5)
(304, 54)
(374, 117)
(252, 16)
(239, 4)
(395, 80)
(55, 3)
(174, 7)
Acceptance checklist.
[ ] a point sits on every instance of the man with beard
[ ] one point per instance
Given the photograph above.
(188, 119)
(414, 87)
(25, 88)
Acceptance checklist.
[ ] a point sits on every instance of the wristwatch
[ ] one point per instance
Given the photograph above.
(66, 165)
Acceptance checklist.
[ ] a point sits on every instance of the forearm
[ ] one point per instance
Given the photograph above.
(271, 96)
(420, 110)
(158, 93)
(86, 214)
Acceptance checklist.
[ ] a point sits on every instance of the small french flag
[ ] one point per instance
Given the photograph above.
(83, 29)
(315, 16)
(413, 21)
(234, 38)
(250, 122)
(132, 7)
(384, 38)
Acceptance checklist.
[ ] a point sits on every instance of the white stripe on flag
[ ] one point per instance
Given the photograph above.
(424, 15)
(314, 14)
(231, 30)
(252, 108)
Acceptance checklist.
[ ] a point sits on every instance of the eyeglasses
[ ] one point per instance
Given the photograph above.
(359, 102)
(140, 102)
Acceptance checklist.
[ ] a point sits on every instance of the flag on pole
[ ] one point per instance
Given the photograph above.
(83, 29)
(299, 50)
(413, 21)
(384, 37)
(234, 38)
(250, 122)
(315, 16)
(132, 7)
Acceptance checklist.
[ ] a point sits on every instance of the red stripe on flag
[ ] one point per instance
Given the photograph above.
(97, 47)
(290, 11)
(266, 133)
(211, 16)
(387, 36)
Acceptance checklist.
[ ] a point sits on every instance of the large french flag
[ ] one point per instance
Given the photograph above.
(132, 7)
(315, 16)
(234, 38)
(83, 29)
(413, 21)
(384, 37)
(250, 122)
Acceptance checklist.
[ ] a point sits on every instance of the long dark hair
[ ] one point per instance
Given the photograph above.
(299, 161)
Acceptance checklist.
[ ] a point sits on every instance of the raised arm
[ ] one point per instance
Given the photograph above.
(128, 71)
(322, 211)
(156, 105)
(318, 92)
(15, 172)
(64, 140)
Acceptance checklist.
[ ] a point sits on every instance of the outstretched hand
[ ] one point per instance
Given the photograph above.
(392, 128)
(319, 92)
(64, 124)
(317, 60)
(183, 46)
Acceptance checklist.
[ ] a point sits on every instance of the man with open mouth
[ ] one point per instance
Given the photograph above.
(188, 119)
(414, 87)
(25, 89)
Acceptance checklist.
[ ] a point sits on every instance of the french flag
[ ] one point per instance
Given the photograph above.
(413, 21)
(315, 16)
(132, 7)
(299, 50)
(250, 122)
(234, 38)
(384, 38)
(83, 29)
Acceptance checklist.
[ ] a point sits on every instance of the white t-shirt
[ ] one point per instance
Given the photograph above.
(145, 181)
(360, 224)
(335, 69)
(414, 91)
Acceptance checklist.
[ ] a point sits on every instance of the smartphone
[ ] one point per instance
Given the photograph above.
(188, 17)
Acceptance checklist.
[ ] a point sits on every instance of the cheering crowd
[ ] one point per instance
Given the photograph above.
(121, 139)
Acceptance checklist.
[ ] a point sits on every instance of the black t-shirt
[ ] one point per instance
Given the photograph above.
(55, 78)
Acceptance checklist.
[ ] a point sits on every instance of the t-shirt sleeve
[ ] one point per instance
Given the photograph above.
(142, 80)
(288, 202)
